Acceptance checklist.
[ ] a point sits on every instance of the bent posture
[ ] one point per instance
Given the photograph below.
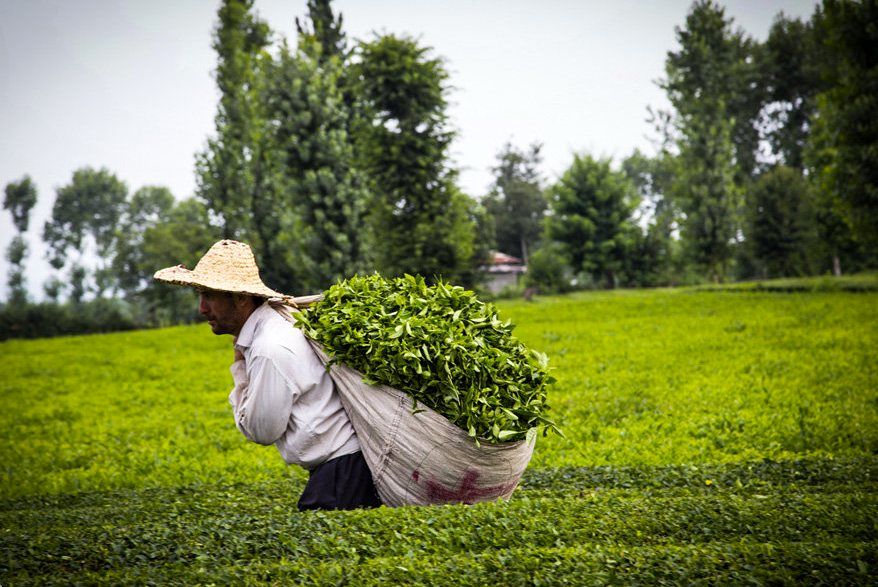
(282, 394)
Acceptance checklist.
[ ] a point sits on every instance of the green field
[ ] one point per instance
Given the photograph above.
(710, 437)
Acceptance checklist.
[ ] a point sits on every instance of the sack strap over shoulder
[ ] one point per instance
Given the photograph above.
(285, 305)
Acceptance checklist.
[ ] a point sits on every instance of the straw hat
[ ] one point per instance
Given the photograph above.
(228, 266)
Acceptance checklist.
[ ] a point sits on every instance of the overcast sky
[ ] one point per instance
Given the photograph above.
(127, 84)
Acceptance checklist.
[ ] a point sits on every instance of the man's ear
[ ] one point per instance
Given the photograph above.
(242, 300)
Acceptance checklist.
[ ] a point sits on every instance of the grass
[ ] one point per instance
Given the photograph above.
(710, 437)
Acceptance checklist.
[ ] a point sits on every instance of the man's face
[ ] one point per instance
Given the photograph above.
(225, 312)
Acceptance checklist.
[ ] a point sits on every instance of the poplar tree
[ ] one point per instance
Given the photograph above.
(325, 28)
(228, 170)
(20, 198)
(710, 86)
(791, 61)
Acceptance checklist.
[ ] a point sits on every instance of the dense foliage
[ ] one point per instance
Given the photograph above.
(848, 104)
(417, 215)
(516, 201)
(592, 206)
(710, 437)
(313, 222)
(439, 344)
(710, 85)
(333, 157)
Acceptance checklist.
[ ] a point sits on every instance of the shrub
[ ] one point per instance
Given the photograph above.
(548, 270)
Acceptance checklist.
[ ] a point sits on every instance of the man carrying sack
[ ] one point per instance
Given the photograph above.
(283, 394)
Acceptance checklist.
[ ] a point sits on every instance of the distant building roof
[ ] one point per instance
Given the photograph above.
(498, 258)
(502, 263)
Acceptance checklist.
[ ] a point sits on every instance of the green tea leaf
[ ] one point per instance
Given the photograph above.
(439, 344)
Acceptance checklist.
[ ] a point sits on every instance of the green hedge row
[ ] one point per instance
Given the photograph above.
(806, 471)
(236, 526)
(738, 563)
(743, 477)
(859, 283)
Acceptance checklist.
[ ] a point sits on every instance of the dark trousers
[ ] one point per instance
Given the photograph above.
(342, 483)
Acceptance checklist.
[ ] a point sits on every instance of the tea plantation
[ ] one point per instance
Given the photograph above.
(711, 436)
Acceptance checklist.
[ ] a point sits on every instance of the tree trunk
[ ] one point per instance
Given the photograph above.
(836, 266)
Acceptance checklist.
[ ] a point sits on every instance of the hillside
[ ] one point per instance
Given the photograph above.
(710, 437)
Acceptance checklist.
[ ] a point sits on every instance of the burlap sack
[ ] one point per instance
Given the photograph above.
(416, 455)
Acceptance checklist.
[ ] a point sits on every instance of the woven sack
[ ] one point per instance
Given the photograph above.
(416, 455)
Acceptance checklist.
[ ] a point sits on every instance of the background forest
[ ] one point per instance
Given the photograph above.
(332, 157)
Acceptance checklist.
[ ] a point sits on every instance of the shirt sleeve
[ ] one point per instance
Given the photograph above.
(262, 399)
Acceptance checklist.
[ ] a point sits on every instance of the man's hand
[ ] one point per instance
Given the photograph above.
(239, 356)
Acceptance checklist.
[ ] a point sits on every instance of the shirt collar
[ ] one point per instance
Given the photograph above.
(248, 331)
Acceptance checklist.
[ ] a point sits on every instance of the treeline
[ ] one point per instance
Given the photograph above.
(332, 158)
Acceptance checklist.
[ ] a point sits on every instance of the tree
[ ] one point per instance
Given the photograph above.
(15, 255)
(86, 211)
(20, 198)
(314, 217)
(716, 72)
(418, 219)
(325, 29)
(549, 269)
(839, 249)
(710, 84)
(53, 287)
(709, 198)
(481, 224)
(228, 171)
(791, 60)
(181, 235)
(280, 173)
(653, 178)
(781, 223)
(849, 108)
(148, 207)
(516, 200)
(591, 211)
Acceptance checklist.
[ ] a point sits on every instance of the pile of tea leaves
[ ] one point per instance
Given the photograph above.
(439, 344)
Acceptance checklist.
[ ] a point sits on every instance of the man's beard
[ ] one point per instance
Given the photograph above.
(219, 327)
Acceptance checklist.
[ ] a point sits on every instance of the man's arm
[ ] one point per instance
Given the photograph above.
(262, 399)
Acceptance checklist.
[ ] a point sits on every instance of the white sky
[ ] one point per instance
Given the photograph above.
(128, 85)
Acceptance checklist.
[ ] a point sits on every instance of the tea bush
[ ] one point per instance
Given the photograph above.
(711, 437)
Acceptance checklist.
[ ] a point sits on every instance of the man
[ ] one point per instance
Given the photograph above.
(283, 394)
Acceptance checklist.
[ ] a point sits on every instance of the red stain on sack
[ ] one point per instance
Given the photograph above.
(467, 492)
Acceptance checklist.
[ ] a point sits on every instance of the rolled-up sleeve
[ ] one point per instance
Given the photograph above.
(262, 399)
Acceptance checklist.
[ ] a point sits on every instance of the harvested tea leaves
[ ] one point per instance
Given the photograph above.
(439, 344)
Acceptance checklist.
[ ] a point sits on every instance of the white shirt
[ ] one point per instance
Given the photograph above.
(284, 396)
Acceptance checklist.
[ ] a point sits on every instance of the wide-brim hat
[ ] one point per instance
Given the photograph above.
(228, 266)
